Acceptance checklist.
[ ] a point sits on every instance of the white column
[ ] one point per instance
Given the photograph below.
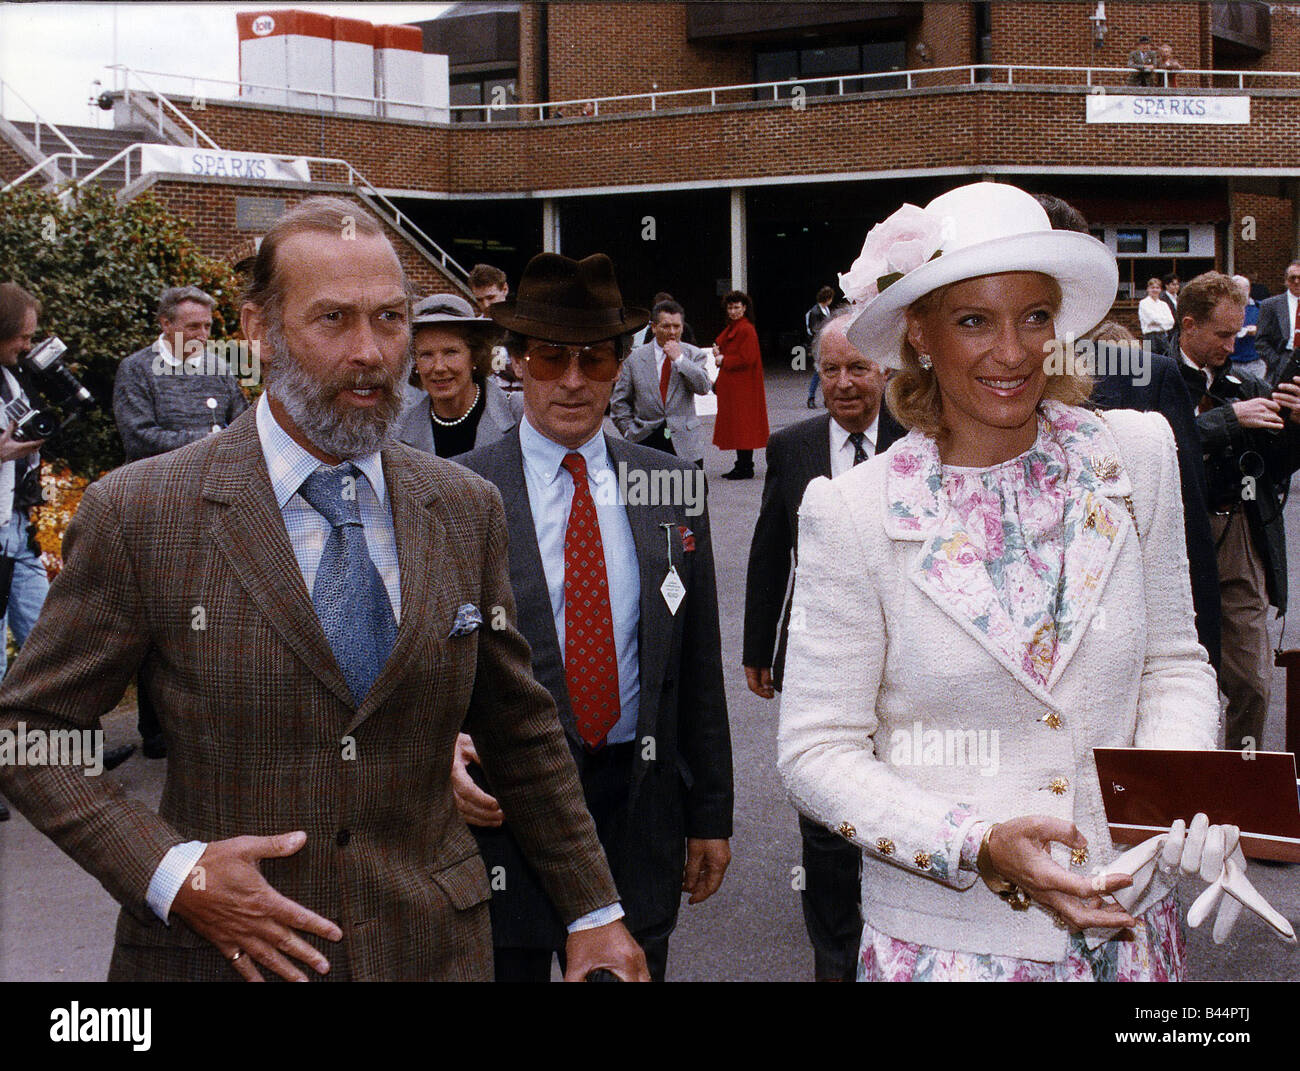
(739, 242)
(550, 226)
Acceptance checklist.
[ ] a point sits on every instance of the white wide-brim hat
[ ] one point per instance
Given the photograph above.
(981, 229)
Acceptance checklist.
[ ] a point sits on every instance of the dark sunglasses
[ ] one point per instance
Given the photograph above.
(599, 362)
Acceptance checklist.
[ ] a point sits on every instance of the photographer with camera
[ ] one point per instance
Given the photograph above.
(23, 581)
(1250, 435)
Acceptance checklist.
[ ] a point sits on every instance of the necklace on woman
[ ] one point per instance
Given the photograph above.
(460, 419)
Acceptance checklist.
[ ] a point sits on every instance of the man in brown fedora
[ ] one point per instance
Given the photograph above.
(612, 569)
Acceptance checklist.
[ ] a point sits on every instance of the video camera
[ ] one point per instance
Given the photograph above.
(56, 386)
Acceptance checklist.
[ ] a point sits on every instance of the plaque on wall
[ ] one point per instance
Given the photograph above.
(257, 213)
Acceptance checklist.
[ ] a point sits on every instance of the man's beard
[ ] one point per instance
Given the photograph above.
(334, 428)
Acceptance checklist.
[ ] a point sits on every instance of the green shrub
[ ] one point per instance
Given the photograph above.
(98, 269)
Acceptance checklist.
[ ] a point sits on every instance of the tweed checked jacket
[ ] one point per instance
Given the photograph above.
(180, 566)
(893, 637)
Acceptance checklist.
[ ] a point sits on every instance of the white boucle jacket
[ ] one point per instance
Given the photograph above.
(889, 655)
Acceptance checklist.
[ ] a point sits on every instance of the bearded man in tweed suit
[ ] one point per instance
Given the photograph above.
(307, 822)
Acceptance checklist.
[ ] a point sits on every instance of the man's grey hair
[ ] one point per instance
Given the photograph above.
(836, 314)
(174, 296)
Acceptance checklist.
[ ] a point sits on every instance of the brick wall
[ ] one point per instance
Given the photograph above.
(12, 163)
(1059, 33)
(608, 49)
(1264, 259)
(529, 84)
(1284, 53)
(948, 31)
(210, 209)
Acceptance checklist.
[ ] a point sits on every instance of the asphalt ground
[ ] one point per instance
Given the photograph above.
(56, 922)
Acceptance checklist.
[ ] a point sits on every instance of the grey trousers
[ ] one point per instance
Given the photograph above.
(1246, 670)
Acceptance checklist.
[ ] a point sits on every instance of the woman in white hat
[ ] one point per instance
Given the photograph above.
(984, 604)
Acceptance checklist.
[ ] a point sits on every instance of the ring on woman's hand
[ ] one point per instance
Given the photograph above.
(236, 957)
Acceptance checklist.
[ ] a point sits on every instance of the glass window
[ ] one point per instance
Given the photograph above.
(776, 66)
(467, 93)
(1175, 240)
(817, 62)
(1130, 241)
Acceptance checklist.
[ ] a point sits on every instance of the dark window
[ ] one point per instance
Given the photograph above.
(1175, 240)
(1130, 241)
(485, 89)
(828, 61)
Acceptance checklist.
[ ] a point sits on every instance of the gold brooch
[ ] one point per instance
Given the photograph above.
(1078, 856)
(1052, 719)
(847, 831)
(922, 860)
(1106, 466)
(1058, 785)
(885, 846)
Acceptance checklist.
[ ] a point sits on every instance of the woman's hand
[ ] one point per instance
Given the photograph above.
(1018, 850)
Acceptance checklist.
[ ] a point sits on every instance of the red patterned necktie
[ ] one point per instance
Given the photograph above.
(664, 373)
(1295, 336)
(590, 661)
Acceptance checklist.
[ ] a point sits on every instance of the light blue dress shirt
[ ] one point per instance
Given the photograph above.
(550, 496)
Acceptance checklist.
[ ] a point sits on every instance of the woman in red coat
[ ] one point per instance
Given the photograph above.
(742, 404)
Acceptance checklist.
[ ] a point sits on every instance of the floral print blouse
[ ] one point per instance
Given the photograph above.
(1010, 518)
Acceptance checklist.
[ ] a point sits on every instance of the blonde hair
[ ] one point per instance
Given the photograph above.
(913, 394)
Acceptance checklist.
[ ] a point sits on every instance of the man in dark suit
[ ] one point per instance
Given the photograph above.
(1278, 324)
(856, 427)
(1161, 390)
(617, 600)
(1250, 442)
(272, 586)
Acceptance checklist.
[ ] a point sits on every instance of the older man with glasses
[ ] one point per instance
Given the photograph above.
(1279, 325)
(616, 597)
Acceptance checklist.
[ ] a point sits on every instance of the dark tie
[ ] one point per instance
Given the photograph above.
(349, 594)
(859, 451)
(1295, 331)
(590, 660)
(664, 373)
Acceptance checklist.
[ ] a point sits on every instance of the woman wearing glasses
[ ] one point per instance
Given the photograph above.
(464, 409)
(1000, 593)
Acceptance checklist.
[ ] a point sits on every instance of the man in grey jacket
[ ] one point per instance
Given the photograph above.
(163, 398)
(173, 392)
(654, 399)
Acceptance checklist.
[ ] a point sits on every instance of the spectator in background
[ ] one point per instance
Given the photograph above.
(489, 286)
(646, 334)
(742, 403)
(1172, 285)
(1143, 60)
(1155, 317)
(1165, 62)
(812, 321)
(1244, 356)
(1279, 324)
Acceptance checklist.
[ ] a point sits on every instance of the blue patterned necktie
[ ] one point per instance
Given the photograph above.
(857, 438)
(349, 594)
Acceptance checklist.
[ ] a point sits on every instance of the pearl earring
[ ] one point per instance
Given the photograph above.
(925, 362)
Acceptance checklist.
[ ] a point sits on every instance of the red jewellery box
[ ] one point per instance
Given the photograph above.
(1146, 789)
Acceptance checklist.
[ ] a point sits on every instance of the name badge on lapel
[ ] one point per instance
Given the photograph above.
(672, 589)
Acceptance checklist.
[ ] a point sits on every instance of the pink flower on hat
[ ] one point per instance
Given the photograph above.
(898, 245)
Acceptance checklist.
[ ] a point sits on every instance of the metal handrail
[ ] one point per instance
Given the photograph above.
(162, 100)
(123, 155)
(5, 88)
(589, 107)
(73, 156)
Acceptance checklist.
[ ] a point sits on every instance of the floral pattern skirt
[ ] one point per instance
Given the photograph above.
(1156, 951)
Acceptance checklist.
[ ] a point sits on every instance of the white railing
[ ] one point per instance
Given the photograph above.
(8, 93)
(44, 165)
(910, 79)
(160, 102)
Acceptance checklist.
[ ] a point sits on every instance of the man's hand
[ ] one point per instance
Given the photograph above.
(672, 349)
(11, 448)
(609, 946)
(706, 863)
(1258, 413)
(247, 920)
(1287, 395)
(475, 805)
(760, 681)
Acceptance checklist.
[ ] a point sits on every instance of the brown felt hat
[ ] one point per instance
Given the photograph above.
(565, 300)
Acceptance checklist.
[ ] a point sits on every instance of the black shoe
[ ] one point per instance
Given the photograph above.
(115, 756)
(4, 812)
(739, 474)
(812, 403)
(155, 747)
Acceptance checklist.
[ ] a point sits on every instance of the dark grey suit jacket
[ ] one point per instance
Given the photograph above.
(1274, 331)
(795, 456)
(681, 784)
